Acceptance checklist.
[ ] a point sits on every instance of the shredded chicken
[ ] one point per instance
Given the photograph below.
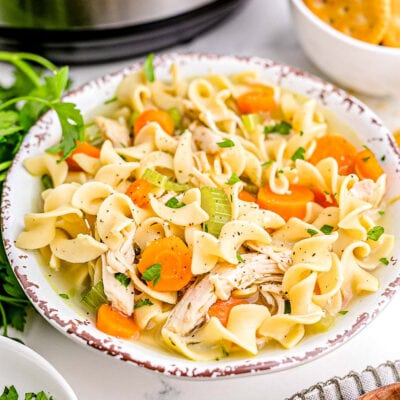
(191, 311)
(114, 131)
(119, 261)
(205, 139)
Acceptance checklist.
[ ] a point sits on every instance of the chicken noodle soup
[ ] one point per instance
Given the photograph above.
(217, 214)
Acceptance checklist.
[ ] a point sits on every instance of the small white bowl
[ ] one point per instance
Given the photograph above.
(27, 371)
(359, 66)
(21, 193)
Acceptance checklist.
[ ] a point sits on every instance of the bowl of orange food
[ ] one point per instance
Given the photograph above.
(356, 44)
(221, 216)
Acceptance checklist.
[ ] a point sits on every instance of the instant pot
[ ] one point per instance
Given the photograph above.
(88, 31)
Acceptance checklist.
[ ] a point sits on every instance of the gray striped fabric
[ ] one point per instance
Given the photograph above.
(353, 385)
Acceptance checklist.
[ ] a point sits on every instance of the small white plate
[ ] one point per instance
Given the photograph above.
(29, 372)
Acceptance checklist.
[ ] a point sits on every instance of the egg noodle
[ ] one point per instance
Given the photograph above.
(226, 271)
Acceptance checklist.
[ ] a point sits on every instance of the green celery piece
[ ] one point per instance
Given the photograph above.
(95, 297)
(215, 203)
(162, 181)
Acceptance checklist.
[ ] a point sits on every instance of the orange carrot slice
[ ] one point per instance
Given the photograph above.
(222, 308)
(256, 101)
(287, 205)
(139, 191)
(367, 166)
(337, 147)
(166, 264)
(246, 196)
(115, 323)
(82, 148)
(152, 115)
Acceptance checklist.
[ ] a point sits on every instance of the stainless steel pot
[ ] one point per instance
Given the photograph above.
(87, 31)
(90, 14)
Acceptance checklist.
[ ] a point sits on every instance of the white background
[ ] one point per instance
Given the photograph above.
(261, 28)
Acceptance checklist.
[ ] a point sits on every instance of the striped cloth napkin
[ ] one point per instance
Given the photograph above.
(353, 385)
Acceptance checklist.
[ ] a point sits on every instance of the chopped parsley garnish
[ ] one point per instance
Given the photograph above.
(283, 128)
(64, 296)
(288, 307)
(47, 182)
(383, 158)
(326, 229)
(365, 159)
(152, 274)
(143, 302)
(343, 312)
(123, 279)
(239, 257)
(233, 179)
(226, 143)
(109, 101)
(375, 233)
(266, 163)
(381, 212)
(312, 232)
(384, 260)
(224, 351)
(148, 68)
(10, 393)
(173, 202)
(298, 154)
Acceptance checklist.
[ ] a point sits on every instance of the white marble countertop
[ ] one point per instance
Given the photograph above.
(262, 28)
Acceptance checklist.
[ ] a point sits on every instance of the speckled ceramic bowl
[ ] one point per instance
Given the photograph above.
(21, 195)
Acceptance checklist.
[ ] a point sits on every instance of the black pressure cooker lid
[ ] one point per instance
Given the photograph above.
(84, 46)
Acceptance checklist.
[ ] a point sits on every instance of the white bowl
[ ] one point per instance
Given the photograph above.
(21, 193)
(356, 65)
(27, 371)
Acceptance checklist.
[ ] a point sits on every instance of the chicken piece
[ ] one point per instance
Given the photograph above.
(114, 262)
(191, 311)
(114, 131)
(205, 139)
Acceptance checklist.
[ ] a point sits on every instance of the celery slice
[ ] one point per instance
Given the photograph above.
(215, 203)
(162, 181)
(95, 297)
(250, 121)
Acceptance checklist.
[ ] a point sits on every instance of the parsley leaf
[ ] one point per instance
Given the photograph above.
(298, 154)
(123, 279)
(226, 143)
(375, 233)
(148, 68)
(10, 393)
(283, 128)
(64, 296)
(326, 229)
(343, 312)
(233, 179)
(143, 302)
(239, 257)
(384, 261)
(266, 163)
(224, 351)
(152, 274)
(173, 202)
(288, 307)
(72, 126)
(312, 232)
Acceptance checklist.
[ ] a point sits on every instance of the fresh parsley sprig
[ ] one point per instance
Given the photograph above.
(33, 91)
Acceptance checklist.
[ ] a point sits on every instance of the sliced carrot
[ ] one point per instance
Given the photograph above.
(287, 205)
(168, 261)
(256, 101)
(222, 308)
(115, 323)
(367, 166)
(139, 191)
(337, 147)
(153, 115)
(325, 200)
(82, 148)
(246, 196)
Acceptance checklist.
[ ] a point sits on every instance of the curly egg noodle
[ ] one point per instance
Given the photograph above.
(289, 275)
